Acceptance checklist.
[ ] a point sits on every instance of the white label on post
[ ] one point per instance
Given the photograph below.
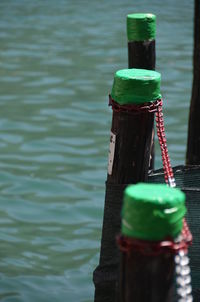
(111, 152)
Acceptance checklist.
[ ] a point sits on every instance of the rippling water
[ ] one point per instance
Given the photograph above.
(57, 60)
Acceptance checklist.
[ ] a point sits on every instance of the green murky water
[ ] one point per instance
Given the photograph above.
(57, 60)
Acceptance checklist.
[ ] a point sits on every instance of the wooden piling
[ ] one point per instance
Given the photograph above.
(130, 143)
(151, 214)
(193, 142)
(141, 31)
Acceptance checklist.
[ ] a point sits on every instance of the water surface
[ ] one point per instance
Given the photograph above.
(57, 61)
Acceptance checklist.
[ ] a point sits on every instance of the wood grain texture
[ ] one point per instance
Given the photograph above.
(146, 278)
(132, 150)
(142, 54)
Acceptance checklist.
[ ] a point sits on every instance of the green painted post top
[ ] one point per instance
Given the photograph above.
(152, 212)
(141, 27)
(136, 86)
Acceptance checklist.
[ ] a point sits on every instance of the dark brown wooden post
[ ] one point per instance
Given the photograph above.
(151, 213)
(130, 143)
(193, 143)
(141, 30)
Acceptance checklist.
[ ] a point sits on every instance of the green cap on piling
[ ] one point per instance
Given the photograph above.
(141, 27)
(136, 86)
(152, 212)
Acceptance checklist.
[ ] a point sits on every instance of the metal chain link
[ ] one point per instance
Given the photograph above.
(183, 278)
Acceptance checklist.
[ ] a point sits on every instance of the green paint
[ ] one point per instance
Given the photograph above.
(152, 211)
(141, 27)
(136, 86)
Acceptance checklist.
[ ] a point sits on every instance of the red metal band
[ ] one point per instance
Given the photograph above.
(155, 248)
(147, 107)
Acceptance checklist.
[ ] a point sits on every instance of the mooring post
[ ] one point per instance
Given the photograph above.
(130, 143)
(193, 142)
(141, 32)
(152, 217)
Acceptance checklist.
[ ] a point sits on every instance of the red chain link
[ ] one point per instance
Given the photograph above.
(186, 237)
(168, 172)
(153, 248)
(147, 107)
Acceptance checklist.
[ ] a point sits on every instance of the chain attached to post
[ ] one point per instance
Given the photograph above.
(183, 279)
(169, 175)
